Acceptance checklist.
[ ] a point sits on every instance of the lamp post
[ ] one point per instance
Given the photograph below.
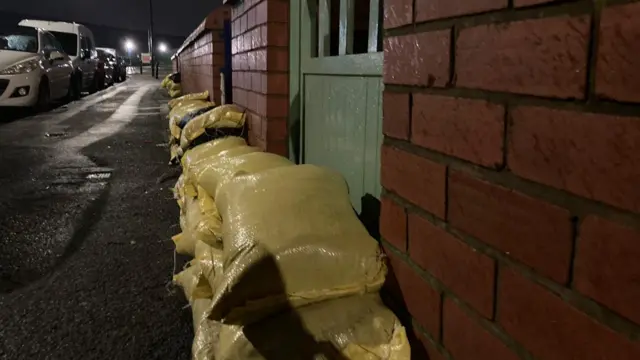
(153, 58)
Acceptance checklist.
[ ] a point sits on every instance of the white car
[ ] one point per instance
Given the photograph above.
(33, 69)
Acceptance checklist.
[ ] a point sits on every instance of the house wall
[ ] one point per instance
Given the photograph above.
(511, 168)
(203, 55)
(260, 63)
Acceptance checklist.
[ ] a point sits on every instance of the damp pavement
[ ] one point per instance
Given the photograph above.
(86, 217)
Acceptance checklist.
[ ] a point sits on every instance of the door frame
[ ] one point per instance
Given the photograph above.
(301, 55)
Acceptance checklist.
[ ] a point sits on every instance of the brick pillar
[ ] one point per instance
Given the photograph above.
(203, 54)
(260, 62)
(511, 168)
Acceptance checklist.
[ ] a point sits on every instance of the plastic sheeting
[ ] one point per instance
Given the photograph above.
(183, 109)
(290, 238)
(175, 90)
(355, 327)
(221, 117)
(194, 96)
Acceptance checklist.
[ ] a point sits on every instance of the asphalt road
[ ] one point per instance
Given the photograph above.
(86, 217)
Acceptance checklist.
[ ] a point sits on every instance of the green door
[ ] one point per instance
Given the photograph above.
(336, 88)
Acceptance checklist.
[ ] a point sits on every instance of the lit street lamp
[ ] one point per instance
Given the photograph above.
(130, 46)
(162, 47)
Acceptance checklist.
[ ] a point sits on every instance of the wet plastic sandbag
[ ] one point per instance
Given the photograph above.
(188, 97)
(221, 117)
(211, 148)
(210, 260)
(193, 283)
(206, 332)
(217, 171)
(197, 226)
(175, 90)
(192, 115)
(181, 110)
(355, 328)
(290, 237)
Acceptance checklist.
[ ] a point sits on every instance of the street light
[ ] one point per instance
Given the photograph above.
(162, 47)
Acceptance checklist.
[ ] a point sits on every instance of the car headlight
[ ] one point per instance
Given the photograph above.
(21, 68)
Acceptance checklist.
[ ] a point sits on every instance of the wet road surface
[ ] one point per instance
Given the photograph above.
(85, 227)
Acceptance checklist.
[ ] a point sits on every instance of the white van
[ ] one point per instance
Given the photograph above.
(78, 42)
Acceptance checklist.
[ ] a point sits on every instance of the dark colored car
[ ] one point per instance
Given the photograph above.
(119, 69)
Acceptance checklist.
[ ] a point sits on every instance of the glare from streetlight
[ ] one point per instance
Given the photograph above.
(129, 45)
(162, 47)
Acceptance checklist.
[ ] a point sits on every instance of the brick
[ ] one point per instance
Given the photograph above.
(606, 265)
(529, 230)
(437, 9)
(415, 178)
(277, 34)
(420, 299)
(551, 329)
(277, 60)
(596, 156)
(275, 129)
(395, 115)
(468, 340)
(466, 272)
(468, 129)
(397, 13)
(393, 223)
(617, 74)
(278, 11)
(521, 3)
(277, 83)
(417, 59)
(545, 57)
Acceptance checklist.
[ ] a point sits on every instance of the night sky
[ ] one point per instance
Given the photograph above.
(171, 17)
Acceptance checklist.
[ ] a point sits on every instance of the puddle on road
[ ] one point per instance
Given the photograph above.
(98, 176)
(55, 134)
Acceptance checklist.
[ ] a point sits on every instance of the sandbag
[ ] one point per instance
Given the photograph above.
(193, 283)
(181, 110)
(165, 82)
(192, 115)
(211, 148)
(175, 90)
(210, 220)
(355, 327)
(221, 117)
(193, 96)
(217, 171)
(182, 189)
(290, 238)
(210, 260)
(206, 332)
(196, 227)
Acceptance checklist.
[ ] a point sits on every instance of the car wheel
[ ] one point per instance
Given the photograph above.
(44, 97)
(74, 88)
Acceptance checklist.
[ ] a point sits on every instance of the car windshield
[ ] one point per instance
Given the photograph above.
(68, 41)
(20, 39)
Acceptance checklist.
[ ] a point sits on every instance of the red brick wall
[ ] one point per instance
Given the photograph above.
(260, 63)
(511, 168)
(203, 55)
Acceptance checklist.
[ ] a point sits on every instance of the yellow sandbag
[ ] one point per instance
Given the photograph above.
(210, 148)
(184, 242)
(210, 260)
(210, 220)
(174, 153)
(175, 91)
(165, 82)
(206, 332)
(355, 327)
(182, 189)
(183, 109)
(290, 237)
(194, 285)
(194, 96)
(214, 173)
(196, 226)
(223, 116)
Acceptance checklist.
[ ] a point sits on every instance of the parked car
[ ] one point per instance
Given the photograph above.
(120, 69)
(34, 68)
(106, 63)
(78, 42)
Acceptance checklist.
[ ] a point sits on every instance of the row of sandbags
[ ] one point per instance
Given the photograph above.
(282, 268)
(193, 120)
(171, 82)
